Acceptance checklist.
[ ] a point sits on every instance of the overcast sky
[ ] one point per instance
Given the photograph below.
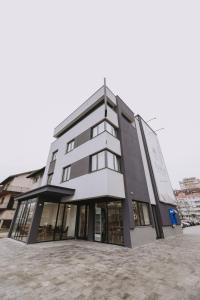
(54, 55)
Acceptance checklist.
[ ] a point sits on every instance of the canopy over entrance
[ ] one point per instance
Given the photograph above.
(52, 192)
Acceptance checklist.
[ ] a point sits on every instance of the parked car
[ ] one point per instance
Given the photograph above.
(185, 224)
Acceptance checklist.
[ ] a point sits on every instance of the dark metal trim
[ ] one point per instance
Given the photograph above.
(50, 190)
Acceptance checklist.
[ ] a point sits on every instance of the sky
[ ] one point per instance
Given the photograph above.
(55, 54)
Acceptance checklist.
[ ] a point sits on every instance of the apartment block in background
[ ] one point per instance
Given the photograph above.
(105, 180)
(188, 199)
(189, 183)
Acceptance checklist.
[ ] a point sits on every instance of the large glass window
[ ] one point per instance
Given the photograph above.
(57, 222)
(101, 160)
(48, 222)
(98, 161)
(66, 173)
(58, 227)
(69, 221)
(141, 213)
(109, 222)
(83, 221)
(103, 126)
(23, 220)
(112, 161)
(111, 129)
(105, 159)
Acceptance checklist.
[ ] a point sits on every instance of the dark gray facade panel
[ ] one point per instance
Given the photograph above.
(91, 221)
(132, 167)
(51, 167)
(83, 138)
(32, 238)
(164, 211)
(80, 167)
(134, 175)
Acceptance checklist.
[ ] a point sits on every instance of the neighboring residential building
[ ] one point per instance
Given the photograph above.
(13, 186)
(188, 203)
(36, 177)
(189, 183)
(105, 180)
(10, 188)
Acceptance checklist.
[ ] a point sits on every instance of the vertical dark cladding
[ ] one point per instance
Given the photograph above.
(132, 167)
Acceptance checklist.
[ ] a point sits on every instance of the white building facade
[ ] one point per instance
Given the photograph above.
(105, 180)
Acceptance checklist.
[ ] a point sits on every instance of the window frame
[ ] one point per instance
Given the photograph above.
(105, 121)
(54, 153)
(115, 158)
(68, 173)
(139, 217)
(49, 176)
(72, 142)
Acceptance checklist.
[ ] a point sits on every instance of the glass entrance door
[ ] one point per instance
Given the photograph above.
(83, 215)
(101, 222)
(109, 223)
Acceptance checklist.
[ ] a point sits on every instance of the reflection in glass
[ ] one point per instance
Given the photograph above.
(48, 222)
(57, 222)
(109, 222)
(115, 223)
(141, 213)
(58, 227)
(23, 220)
(69, 221)
(83, 221)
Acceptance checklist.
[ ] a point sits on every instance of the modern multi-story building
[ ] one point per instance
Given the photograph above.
(105, 180)
(10, 188)
(189, 183)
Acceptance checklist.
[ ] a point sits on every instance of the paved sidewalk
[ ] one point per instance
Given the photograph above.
(165, 270)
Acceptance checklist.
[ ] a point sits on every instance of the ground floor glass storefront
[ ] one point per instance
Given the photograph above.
(23, 220)
(57, 222)
(40, 221)
(109, 222)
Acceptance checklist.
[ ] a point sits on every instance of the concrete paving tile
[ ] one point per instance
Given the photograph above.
(165, 270)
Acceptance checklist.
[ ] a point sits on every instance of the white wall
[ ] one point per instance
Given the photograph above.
(92, 146)
(97, 184)
(90, 102)
(145, 164)
(163, 183)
